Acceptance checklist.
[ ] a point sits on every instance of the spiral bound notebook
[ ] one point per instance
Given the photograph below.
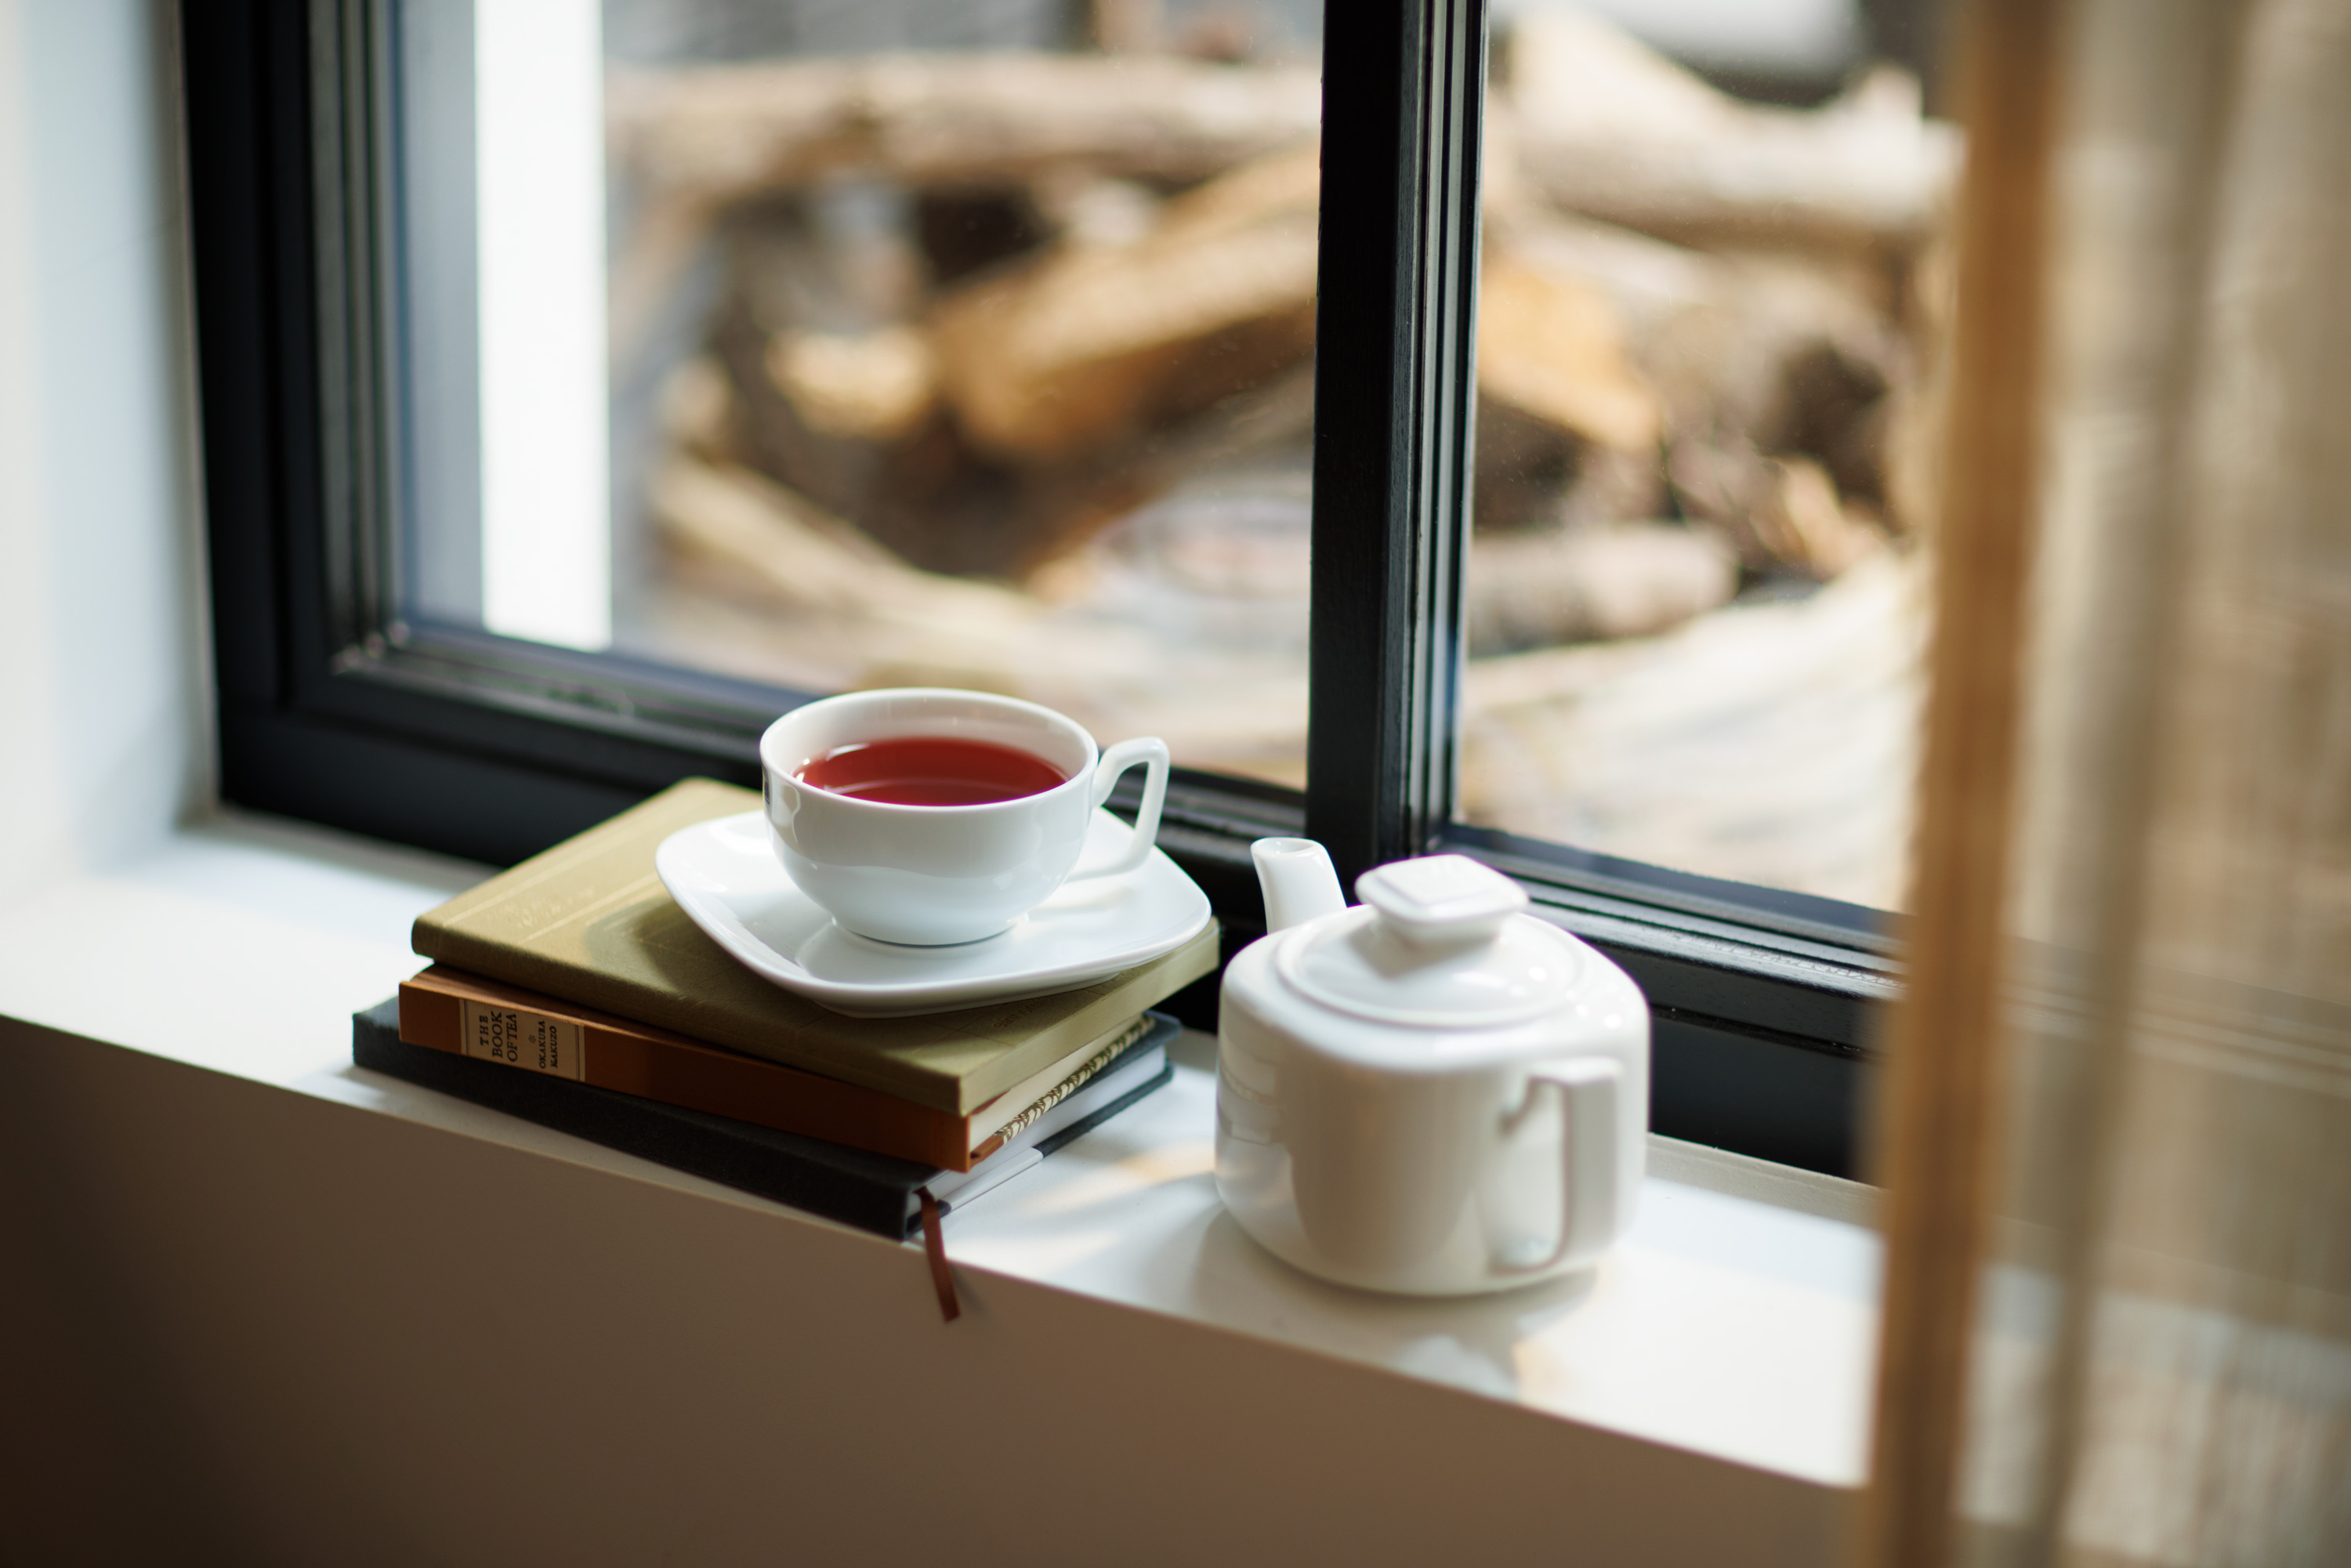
(871, 1192)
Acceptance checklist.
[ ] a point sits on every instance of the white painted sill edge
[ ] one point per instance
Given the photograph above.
(1737, 1320)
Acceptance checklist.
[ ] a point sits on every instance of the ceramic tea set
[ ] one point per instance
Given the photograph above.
(1432, 1093)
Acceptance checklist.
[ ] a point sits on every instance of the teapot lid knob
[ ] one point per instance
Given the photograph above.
(1441, 901)
(1443, 945)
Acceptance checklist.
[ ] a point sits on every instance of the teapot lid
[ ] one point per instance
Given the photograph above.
(1445, 942)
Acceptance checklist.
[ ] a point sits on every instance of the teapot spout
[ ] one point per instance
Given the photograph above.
(1298, 881)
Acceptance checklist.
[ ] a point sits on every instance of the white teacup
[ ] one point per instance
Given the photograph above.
(931, 875)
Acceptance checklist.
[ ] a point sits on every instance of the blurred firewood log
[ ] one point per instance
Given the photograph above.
(1089, 343)
(1239, 562)
(840, 608)
(1553, 346)
(1612, 580)
(864, 386)
(1783, 511)
(1777, 374)
(1592, 121)
(1772, 742)
(1808, 525)
(1606, 127)
(1077, 500)
(834, 389)
(802, 556)
(1722, 336)
(993, 429)
(651, 269)
(1084, 346)
(952, 120)
(847, 419)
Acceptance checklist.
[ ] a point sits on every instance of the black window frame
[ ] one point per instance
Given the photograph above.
(331, 709)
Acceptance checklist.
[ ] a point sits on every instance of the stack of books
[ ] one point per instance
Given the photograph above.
(573, 991)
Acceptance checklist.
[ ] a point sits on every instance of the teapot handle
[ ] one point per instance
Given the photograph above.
(1587, 1087)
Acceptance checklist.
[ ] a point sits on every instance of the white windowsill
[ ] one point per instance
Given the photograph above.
(1737, 1322)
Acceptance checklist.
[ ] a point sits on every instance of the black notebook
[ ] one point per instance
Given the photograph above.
(872, 1192)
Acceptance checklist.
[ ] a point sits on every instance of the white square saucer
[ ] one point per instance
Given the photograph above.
(724, 873)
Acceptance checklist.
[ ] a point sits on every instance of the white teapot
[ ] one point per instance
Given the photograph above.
(1437, 1094)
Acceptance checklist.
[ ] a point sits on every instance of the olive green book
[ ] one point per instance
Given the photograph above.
(589, 922)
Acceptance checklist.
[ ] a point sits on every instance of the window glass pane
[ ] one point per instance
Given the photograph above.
(900, 342)
(1706, 342)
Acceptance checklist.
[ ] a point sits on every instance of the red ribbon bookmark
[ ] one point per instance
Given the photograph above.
(934, 1248)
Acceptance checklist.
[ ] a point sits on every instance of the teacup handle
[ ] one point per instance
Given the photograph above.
(1152, 751)
(1587, 1087)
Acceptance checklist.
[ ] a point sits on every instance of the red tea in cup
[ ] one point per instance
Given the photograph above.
(930, 770)
(926, 817)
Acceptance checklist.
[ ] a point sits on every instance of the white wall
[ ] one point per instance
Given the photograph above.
(104, 689)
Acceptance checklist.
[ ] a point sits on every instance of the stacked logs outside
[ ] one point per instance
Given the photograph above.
(1004, 345)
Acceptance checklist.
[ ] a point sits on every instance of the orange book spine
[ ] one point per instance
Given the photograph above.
(446, 1009)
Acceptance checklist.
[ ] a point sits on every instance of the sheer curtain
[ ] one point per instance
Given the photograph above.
(2118, 1132)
